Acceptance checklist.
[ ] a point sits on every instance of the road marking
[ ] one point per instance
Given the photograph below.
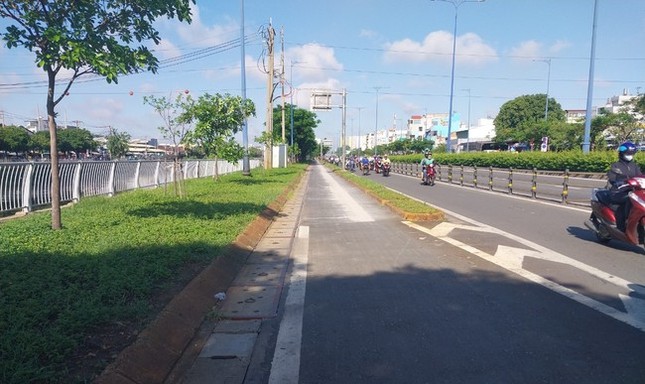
(285, 367)
(512, 258)
(352, 209)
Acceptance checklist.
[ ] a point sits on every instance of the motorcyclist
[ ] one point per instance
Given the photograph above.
(386, 160)
(427, 160)
(625, 168)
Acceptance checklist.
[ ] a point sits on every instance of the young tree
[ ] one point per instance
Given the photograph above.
(89, 37)
(216, 119)
(173, 129)
(304, 138)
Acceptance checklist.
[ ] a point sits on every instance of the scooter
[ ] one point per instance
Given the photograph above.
(428, 174)
(386, 169)
(603, 217)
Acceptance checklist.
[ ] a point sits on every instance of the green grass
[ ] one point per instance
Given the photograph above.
(104, 268)
(396, 199)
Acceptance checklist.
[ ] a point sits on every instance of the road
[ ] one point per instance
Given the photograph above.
(507, 290)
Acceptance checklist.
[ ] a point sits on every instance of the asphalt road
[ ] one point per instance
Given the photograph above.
(505, 291)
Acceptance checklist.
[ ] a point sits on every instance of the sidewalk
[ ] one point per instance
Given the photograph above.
(252, 269)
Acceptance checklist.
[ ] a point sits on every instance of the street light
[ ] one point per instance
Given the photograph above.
(376, 127)
(246, 166)
(468, 129)
(456, 4)
(548, 81)
(592, 58)
(359, 127)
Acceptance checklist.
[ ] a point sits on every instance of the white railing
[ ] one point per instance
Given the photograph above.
(26, 186)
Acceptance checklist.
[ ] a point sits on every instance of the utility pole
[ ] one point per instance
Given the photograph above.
(268, 150)
(282, 81)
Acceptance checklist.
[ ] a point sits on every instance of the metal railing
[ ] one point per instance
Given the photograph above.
(26, 186)
(564, 187)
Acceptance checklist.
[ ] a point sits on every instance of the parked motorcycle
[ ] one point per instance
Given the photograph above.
(603, 214)
(386, 169)
(429, 174)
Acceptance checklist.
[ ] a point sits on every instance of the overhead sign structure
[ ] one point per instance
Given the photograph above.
(321, 101)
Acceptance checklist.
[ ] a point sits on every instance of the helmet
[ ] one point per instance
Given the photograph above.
(627, 149)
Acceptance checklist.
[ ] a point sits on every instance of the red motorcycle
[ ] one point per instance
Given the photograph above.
(429, 174)
(603, 214)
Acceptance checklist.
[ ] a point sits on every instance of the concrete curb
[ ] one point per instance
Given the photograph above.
(152, 357)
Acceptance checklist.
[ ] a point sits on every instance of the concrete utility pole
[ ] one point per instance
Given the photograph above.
(246, 165)
(268, 149)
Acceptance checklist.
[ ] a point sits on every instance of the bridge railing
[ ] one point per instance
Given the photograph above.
(26, 186)
(565, 187)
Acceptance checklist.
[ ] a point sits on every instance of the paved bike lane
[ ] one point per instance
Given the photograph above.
(369, 299)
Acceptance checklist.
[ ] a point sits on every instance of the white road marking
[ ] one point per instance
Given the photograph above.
(352, 209)
(285, 367)
(511, 259)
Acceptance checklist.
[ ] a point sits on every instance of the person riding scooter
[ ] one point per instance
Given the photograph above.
(625, 168)
(427, 160)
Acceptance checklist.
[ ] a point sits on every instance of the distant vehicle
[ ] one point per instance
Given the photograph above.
(494, 147)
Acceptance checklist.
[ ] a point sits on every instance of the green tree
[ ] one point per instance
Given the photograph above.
(617, 127)
(14, 139)
(118, 144)
(520, 118)
(39, 142)
(88, 37)
(216, 119)
(76, 140)
(304, 137)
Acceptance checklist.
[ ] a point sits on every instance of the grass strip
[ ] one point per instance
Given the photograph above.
(105, 271)
(394, 199)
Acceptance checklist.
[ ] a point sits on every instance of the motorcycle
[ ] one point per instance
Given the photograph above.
(603, 214)
(429, 174)
(366, 169)
(377, 166)
(386, 169)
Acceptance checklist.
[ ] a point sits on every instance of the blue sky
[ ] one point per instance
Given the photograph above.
(402, 47)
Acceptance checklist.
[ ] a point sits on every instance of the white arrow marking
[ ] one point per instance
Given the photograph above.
(512, 259)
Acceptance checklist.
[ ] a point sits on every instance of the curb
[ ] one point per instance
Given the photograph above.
(152, 357)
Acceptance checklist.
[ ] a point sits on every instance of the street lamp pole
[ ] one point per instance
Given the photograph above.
(376, 126)
(592, 58)
(292, 91)
(468, 128)
(548, 82)
(456, 4)
(246, 166)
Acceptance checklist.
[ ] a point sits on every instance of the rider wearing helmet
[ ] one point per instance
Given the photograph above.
(625, 168)
(427, 160)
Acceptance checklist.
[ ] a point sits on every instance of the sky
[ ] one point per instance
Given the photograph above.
(392, 58)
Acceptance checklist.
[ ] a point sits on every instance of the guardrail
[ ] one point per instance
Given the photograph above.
(26, 186)
(564, 187)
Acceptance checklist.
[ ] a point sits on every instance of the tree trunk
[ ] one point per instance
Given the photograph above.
(53, 151)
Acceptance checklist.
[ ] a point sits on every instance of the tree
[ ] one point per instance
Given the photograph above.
(90, 37)
(76, 140)
(216, 119)
(518, 119)
(304, 138)
(118, 143)
(39, 142)
(173, 129)
(14, 139)
(617, 127)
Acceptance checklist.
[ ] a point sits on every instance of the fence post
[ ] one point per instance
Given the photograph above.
(137, 184)
(510, 180)
(490, 178)
(461, 176)
(449, 173)
(475, 176)
(111, 179)
(534, 184)
(26, 191)
(76, 189)
(565, 186)
(157, 183)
